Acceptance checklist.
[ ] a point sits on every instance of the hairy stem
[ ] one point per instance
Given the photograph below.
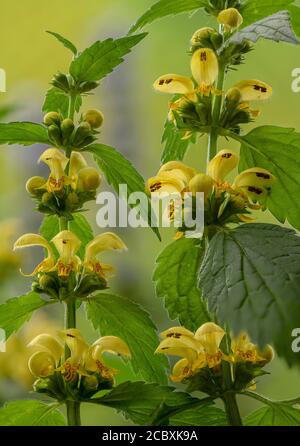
(73, 413)
(217, 104)
(268, 401)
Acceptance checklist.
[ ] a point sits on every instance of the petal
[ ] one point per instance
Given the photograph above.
(76, 344)
(41, 364)
(170, 166)
(54, 155)
(185, 347)
(77, 162)
(174, 83)
(110, 344)
(254, 90)
(210, 336)
(103, 242)
(201, 183)
(177, 333)
(165, 183)
(67, 244)
(256, 176)
(222, 164)
(230, 18)
(204, 66)
(181, 370)
(48, 343)
(28, 240)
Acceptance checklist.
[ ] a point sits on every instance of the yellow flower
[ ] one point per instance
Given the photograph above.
(87, 359)
(201, 183)
(222, 164)
(173, 177)
(29, 240)
(255, 183)
(48, 352)
(103, 242)
(57, 162)
(202, 33)
(245, 351)
(210, 337)
(230, 18)
(77, 162)
(205, 69)
(253, 90)
(67, 244)
(198, 350)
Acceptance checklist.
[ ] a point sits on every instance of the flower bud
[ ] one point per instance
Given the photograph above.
(90, 382)
(83, 130)
(35, 184)
(72, 200)
(52, 118)
(89, 179)
(61, 81)
(200, 34)
(267, 354)
(201, 183)
(94, 118)
(55, 134)
(230, 18)
(47, 199)
(234, 95)
(67, 127)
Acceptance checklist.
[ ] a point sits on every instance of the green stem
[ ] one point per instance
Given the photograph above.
(73, 413)
(216, 111)
(232, 409)
(268, 401)
(72, 104)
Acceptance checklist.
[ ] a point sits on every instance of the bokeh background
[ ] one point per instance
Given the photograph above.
(134, 117)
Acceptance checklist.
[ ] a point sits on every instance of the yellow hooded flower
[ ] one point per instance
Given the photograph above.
(29, 240)
(87, 359)
(47, 355)
(245, 351)
(222, 164)
(103, 242)
(230, 18)
(205, 69)
(201, 183)
(210, 337)
(178, 341)
(173, 177)
(255, 183)
(253, 90)
(57, 162)
(67, 244)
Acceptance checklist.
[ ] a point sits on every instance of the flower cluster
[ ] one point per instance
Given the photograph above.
(70, 184)
(80, 276)
(223, 202)
(201, 351)
(191, 108)
(84, 368)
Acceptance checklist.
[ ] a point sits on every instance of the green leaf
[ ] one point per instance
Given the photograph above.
(175, 276)
(254, 10)
(276, 27)
(66, 43)
(31, 413)
(175, 147)
(57, 100)
(79, 226)
(139, 401)
(23, 133)
(164, 8)
(295, 17)
(95, 62)
(118, 170)
(200, 416)
(18, 310)
(117, 316)
(250, 277)
(274, 414)
(276, 149)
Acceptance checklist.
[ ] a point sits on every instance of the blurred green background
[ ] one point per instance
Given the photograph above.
(134, 118)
